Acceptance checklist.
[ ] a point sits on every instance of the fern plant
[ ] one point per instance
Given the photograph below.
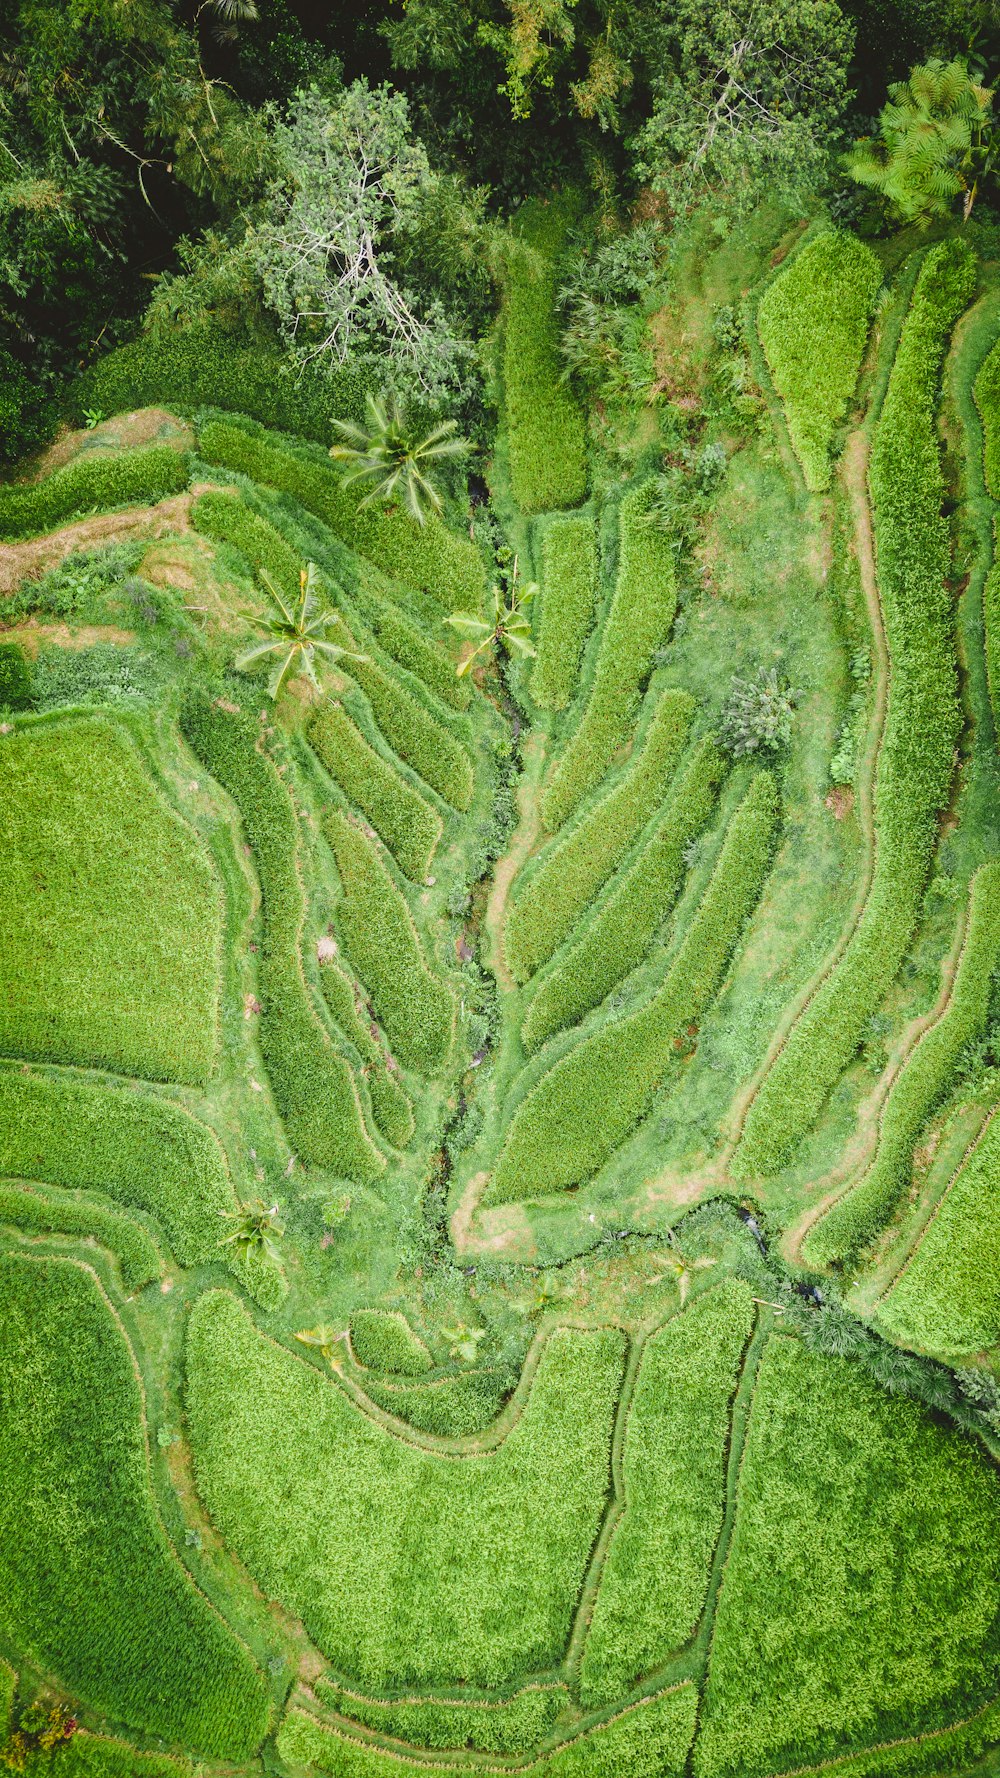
(935, 143)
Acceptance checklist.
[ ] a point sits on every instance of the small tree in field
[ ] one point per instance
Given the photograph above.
(294, 634)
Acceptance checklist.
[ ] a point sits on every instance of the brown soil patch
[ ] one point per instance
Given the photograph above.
(840, 801)
(32, 636)
(505, 1231)
(30, 559)
(145, 426)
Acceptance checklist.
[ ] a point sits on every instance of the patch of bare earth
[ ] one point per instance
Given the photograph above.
(32, 636)
(35, 555)
(125, 432)
(504, 1231)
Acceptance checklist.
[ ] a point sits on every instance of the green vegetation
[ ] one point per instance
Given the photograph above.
(408, 825)
(569, 568)
(545, 428)
(623, 922)
(638, 623)
(590, 1100)
(419, 737)
(15, 678)
(857, 1218)
(408, 645)
(862, 1583)
(507, 1726)
(412, 1003)
(391, 1107)
(917, 753)
(549, 899)
(655, 1577)
(227, 518)
(813, 322)
(92, 484)
(987, 395)
(383, 1340)
(111, 912)
(74, 1213)
(947, 1299)
(387, 452)
(428, 557)
(649, 1740)
(312, 1083)
(450, 1407)
(89, 1586)
(407, 1568)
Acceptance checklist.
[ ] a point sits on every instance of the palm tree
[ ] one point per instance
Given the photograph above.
(255, 1226)
(464, 1341)
(681, 1269)
(388, 454)
(509, 627)
(936, 143)
(295, 635)
(325, 1337)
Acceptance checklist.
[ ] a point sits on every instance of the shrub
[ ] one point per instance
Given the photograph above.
(620, 927)
(986, 390)
(545, 429)
(757, 714)
(383, 1340)
(590, 1100)
(313, 1085)
(551, 896)
(88, 1581)
(428, 557)
(492, 1725)
(947, 1298)
(414, 1006)
(863, 1551)
(922, 722)
(92, 484)
(390, 1105)
(98, 1756)
(408, 1567)
(856, 1219)
(71, 1213)
(111, 912)
(655, 1575)
(409, 826)
(642, 611)
(650, 1739)
(15, 678)
(569, 568)
(813, 322)
(144, 1152)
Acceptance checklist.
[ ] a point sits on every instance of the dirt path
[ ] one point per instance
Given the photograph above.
(854, 473)
(523, 842)
(32, 635)
(504, 1233)
(30, 559)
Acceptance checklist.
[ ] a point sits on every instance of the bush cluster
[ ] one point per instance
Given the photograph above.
(408, 825)
(650, 1739)
(550, 898)
(546, 435)
(618, 930)
(642, 611)
(947, 1299)
(390, 1105)
(656, 1572)
(592, 1098)
(856, 1219)
(110, 909)
(414, 1006)
(813, 323)
(863, 1551)
(383, 1340)
(312, 1084)
(428, 557)
(491, 1725)
(75, 1213)
(15, 678)
(88, 1580)
(569, 570)
(92, 484)
(408, 1567)
(142, 1151)
(922, 721)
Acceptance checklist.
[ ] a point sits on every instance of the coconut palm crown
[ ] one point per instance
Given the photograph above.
(387, 453)
(295, 634)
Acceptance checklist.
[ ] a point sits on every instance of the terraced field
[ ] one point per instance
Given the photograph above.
(499, 1188)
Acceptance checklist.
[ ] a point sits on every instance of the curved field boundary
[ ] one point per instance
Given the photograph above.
(918, 1756)
(57, 1211)
(391, 1107)
(569, 572)
(511, 1725)
(407, 824)
(920, 1081)
(916, 757)
(92, 483)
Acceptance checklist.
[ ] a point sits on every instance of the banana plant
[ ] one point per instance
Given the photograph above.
(256, 1227)
(324, 1337)
(294, 634)
(509, 626)
(675, 1265)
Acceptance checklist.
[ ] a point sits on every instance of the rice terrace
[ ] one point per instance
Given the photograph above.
(499, 889)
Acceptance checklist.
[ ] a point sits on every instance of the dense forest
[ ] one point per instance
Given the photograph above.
(499, 888)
